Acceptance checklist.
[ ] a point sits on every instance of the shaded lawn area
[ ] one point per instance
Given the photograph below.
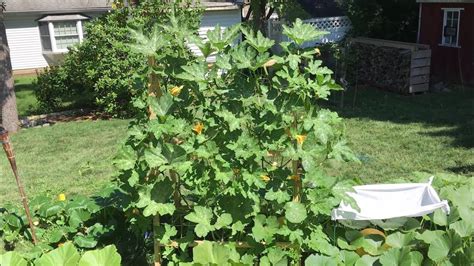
(25, 95)
(396, 135)
(74, 157)
(393, 135)
(27, 103)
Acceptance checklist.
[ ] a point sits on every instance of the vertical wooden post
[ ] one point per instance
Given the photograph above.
(176, 195)
(154, 91)
(11, 158)
(153, 86)
(294, 167)
(297, 183)
(156, 244)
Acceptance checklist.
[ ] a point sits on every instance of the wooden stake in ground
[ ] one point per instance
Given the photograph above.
(11, 158)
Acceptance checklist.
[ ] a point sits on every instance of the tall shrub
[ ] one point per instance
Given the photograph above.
(102, 68)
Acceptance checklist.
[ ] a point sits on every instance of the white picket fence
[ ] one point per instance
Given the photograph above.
(336, 26)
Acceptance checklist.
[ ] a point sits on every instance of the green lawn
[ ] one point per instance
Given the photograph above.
(74, 157)
(25, 96)
(393, 135)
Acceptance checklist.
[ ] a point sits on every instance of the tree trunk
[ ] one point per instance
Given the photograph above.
(8, 111)
(259, 15)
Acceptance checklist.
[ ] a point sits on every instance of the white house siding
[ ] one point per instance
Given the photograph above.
(24, 40)
(212, 18)
(25, 43)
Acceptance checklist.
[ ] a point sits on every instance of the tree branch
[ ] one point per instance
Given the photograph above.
(247, 16)
(270, 12)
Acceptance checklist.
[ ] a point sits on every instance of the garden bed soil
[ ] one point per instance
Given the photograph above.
(64, 116)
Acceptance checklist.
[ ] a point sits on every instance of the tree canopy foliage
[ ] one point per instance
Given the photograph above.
(392, 19)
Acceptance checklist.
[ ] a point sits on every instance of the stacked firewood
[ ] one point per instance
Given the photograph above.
(384, 67)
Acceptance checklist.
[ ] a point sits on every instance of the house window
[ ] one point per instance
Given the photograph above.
(451, 27)
(59, 32)
(65, 34)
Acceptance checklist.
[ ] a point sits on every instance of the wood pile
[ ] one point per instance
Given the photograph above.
(385, 64)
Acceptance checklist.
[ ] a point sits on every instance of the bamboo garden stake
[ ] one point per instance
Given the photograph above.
(11, 158)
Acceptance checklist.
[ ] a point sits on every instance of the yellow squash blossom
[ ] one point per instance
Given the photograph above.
(294, 177)
(198, 127)
(270, 63)
(318, 52)
(62, 197)
(265, 178)
(175, 91)
(300, 139)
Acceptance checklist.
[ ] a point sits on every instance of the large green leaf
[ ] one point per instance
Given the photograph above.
(162, 105)
(209, 253)
(147, 45)
(162, 208)
(302, 32)
(154, 156)
(402, 257)
(319, 241)
(223, 220)
(280, 196)
(264, 228)
(12, 258)
(220, 39)
(295, 212)
(365, 260)
(85, 241)
(65, 255)
(440, 218)
(399, 240)
(194, 72)
(202, 216)
(276, 257)
(439, 249)
(462, 228)
(349, 257)
(429, 236)
(319, 260)
(165, 233)
(107, 256)
(78, 216)
(125, 158)
(258, 41)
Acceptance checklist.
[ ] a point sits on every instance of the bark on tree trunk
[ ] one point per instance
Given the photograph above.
(259, 14)
(8, 109)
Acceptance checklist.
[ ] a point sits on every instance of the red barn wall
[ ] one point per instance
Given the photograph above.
(449, 63)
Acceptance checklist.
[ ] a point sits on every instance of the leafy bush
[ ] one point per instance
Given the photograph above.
(101, 70)
(52, 89)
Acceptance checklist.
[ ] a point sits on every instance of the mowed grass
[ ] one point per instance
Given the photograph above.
(393, 135)
(25, 95)
(396, 135)
(71, 158)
